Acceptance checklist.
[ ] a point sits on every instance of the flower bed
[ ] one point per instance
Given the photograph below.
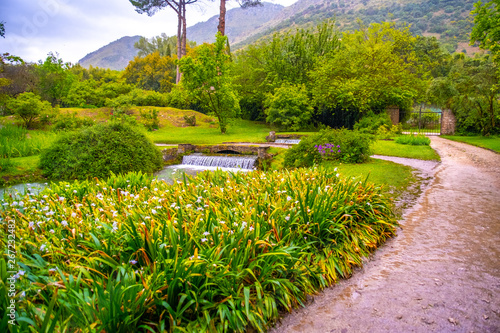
(218, 252)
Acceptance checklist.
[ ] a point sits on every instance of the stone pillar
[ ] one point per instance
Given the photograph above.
(271, 137)
(393, 112)
(262, 152)
(448, 122)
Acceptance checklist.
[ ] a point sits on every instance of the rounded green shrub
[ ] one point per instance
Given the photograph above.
(332, 144)
(100, 150)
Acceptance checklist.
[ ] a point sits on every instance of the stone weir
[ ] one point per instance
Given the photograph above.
(172, 154)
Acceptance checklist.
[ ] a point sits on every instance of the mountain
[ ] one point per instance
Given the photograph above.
(447, 20)
(239, 23)
(116, 55)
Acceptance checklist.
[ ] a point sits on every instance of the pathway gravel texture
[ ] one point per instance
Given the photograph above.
(442, 271)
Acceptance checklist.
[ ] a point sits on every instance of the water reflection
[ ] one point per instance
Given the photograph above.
(22, 189)
(173, 172)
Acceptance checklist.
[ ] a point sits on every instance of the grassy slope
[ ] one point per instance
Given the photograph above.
(488, 142)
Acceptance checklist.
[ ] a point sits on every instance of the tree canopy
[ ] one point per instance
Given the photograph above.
(206, 78)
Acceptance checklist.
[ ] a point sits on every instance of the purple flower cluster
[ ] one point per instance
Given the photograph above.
(328, 150)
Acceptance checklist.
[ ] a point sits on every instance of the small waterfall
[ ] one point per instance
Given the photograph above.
(289, 141)
(243, 162)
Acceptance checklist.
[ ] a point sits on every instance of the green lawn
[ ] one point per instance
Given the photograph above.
(239, 131)
(488, 142)
(24, 169)
(391, 148)
(380, 172)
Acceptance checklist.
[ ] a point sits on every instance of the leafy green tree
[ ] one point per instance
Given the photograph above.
(55, 79)
(472, 91)
(375, 67)
(2, 29)
(287, 59)
(152, 72)
(206, 78)
(486, 28)
(289, 107)
(28, 107)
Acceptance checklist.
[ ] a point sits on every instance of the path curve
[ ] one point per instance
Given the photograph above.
(442, 271)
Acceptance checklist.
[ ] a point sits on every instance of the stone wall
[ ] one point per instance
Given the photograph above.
(448, 122)
(260, 151)
(393, 112)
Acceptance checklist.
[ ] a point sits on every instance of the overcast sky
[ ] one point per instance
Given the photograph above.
(74, 28)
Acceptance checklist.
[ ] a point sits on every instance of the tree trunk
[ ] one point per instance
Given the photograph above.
(222, 18)
(179, 44)
(183, 2)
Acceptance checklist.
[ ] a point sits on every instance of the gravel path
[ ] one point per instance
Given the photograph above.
(440, 274)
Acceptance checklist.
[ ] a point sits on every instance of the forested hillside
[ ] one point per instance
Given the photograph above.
(447, 20)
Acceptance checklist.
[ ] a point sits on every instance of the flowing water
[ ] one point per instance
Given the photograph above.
(288, 141)
(442, 271)
(195, 163)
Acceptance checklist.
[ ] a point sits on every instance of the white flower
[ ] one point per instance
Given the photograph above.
(64, 223)
(251, 228)
(203, 240)
(73, 214)
(52, 231)
(153, 211)
(75, 191)
(288, 198)
(42, 248)
(287, 217)
(338, 175)
(206, 233)
(32, 225)
(133, 262)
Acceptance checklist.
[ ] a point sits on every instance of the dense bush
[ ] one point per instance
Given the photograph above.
(100, 150)
(371, 122)
(289, 107)
(29, 107)
(354, 148)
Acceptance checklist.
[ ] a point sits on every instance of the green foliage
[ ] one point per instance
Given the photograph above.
(98, 151)
(69, 122)
(152, 72)
(414, 140)
(289, 108)
(55, 79)
(371, 122)
(190, 120)
(29, 107)
(17, 142)
(354, 146)
(486, 28)
(206, 78)
(374, 68)
(472, 91)
(219, 252)
(151, 121)
(286, 59)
